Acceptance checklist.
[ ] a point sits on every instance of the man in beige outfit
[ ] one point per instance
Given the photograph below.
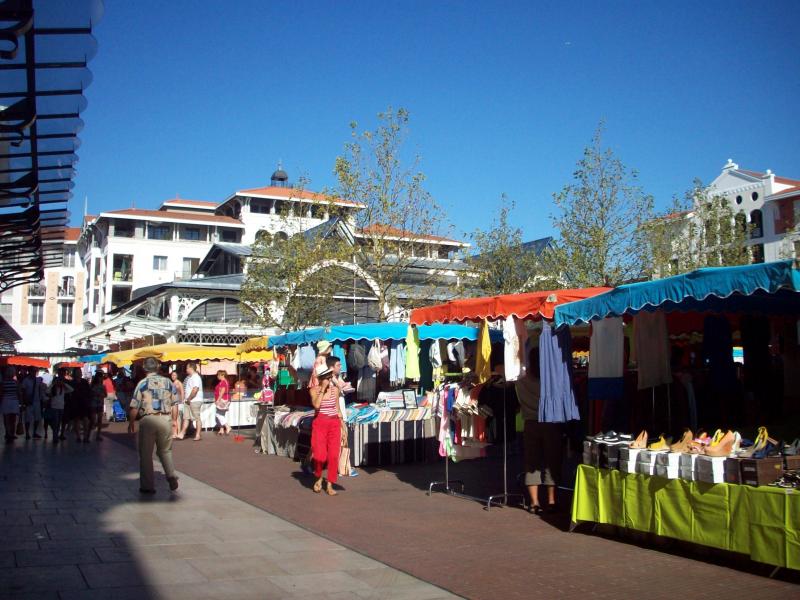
(153, 399)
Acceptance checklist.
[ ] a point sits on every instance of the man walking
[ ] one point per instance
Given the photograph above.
(153, 399)
(193, 398)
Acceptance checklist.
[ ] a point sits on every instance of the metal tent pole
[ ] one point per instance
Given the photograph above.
(505, 495)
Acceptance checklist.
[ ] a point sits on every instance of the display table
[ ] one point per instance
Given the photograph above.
(762, 522)
(239, 414)
(376, 444)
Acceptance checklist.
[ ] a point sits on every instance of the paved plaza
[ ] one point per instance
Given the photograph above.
(247, 526)
(75, 527)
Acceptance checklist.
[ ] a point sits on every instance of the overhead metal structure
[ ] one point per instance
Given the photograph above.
(45, 48)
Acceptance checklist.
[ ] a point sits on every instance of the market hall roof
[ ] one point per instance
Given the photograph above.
(43, 74)
(173, 217)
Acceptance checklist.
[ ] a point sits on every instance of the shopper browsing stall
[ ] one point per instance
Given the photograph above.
(326, 430)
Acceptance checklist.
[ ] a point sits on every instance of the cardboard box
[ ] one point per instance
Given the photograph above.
(733, 470)
(587, 452)
(761, 471)
(608, 456)
(791, 463)
(627, 459)
(686, 463)
(710, 469)
(646, 462)
(667, 465)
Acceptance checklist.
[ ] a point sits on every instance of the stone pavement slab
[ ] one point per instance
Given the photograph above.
(74, 527)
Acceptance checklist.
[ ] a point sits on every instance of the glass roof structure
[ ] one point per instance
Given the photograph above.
(45, 48)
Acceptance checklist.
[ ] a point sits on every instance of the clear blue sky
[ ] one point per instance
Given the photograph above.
(202, 98)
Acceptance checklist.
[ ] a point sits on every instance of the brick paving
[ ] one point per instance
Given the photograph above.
(455, 544)
(248, 526)
(73, 526)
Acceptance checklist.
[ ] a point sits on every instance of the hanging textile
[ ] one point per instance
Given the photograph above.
(483, 367)
(397, 362)
(557, 403)
(514, 357)
(425, 367)
(412, 354)
(606, 360)
(366, 389)
(651, 340)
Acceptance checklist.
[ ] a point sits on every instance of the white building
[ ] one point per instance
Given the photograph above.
(48, 313)
(771, 204)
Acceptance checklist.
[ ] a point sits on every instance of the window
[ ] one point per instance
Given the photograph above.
(66, 313)
(120, 295)
(229, 235)
(123, 267)
(67, 287)
(191, 233)
(123, 228)
(758, 253)
(5, 310)
(159, 263)
(738, 199)
(69, 258)
(36, 310)
(265, 237)
(754, 196)
(189, 267)
(158, 232)
(756, 224)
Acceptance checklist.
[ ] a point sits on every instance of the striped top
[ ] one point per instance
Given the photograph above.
(329, 404)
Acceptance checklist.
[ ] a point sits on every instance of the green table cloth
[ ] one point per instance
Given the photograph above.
(762, 522)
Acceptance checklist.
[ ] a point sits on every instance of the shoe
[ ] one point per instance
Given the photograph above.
(758, 445)
(641, 441)
(353, 473)
(317, 486)
(683, 444)
(536, 510)
(715, 439)
(661, 445)
(173, 483)
(723, 447)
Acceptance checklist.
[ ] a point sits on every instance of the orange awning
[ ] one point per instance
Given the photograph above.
(24, 361)
(530, 305)
(69, 365)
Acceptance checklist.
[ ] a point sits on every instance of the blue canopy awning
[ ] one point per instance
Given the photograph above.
(379, 331)
(93, 358)
(768, 288)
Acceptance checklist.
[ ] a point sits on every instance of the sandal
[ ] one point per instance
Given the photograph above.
(317, 486)
(330, 491)
(536, 510)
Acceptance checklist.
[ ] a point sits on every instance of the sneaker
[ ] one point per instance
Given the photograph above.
(173, 483)
(353, 473)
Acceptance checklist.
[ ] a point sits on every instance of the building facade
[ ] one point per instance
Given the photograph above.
(48, 313)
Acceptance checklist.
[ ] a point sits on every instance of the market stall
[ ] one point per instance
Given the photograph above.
(727, 499)
(386, 424)
(557, 403)
(211, 359)
(24, 361)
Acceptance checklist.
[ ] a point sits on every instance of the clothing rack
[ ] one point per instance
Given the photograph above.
(505, 495)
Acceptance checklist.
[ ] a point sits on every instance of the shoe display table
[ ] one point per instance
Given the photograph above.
(761, 522)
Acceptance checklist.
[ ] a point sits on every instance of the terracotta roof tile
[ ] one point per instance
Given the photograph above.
(71, 234)
(389, 231)
(282, 192)
(198, 203)
(177, 216)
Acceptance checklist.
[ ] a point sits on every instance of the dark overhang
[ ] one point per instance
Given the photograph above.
(45, 47)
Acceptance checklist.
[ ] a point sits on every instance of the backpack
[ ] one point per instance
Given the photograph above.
(356, 357)
(374, 357)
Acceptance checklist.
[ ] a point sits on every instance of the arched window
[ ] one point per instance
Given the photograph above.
(756, 224)
(281, 236)
(222, 310)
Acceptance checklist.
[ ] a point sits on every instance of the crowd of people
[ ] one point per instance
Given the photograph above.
(38, 405)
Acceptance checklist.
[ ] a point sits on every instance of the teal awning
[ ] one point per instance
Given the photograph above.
(768, 288)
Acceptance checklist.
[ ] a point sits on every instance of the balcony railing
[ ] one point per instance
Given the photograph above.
(123, 276)
(37, 289)
(66, 290)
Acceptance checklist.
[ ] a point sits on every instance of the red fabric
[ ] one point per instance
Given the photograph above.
(326, 440)
(109, 385)
(222, 390)
(532, 305)
(25, 361)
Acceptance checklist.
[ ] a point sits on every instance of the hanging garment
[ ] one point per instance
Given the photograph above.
(435, 356)
(374, 356)
(483, 367)
(606, 348)
(514, 358)
(451, 356)
(412, 354)
(366, 390)
(357, 357)
(652, 341)
(308, 357)
(557, 402)
(397, 363)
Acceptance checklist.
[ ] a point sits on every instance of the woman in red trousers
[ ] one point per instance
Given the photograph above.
(326, 432)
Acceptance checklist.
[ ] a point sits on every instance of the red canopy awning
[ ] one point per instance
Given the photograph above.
(69, 365)
(24, 361)
(531, 305)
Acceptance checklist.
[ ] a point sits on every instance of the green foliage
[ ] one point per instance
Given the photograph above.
(700, 230)
(600, 219)
(500, 262)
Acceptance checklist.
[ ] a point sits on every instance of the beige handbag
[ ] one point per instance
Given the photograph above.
(344, 461)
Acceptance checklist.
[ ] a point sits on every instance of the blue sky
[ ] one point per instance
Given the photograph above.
(203, 98)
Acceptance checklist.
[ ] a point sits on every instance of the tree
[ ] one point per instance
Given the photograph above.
(501, 263)
(283, 283)
(700, 230)
(600, 222)
(399, 228)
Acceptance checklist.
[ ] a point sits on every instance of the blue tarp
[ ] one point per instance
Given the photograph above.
(768, 288)
(380, 331)
(93, 358)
